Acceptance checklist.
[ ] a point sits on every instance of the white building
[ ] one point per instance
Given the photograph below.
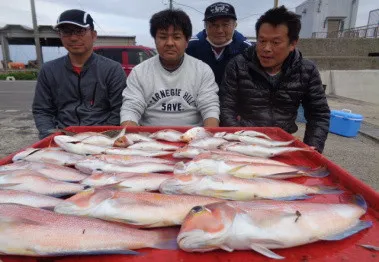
(326, 16)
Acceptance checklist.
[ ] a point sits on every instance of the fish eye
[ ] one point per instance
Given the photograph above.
(197, 209)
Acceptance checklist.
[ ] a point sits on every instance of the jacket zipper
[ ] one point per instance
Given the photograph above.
(81, 100)
(92, 102)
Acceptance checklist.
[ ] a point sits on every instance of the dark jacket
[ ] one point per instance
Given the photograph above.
(64, 98)
(246, 92)
(200, 48)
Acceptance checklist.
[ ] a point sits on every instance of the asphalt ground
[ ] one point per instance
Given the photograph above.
(358, 155)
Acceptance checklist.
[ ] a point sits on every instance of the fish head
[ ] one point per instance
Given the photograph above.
(227, 145)
(89, 165)
(189, 152)
(195, 133)
(84, 202)
(179, 183)
(219, 134)
(205, 228)
(23, 154)
(190, 167)
(98, 178)
(122, 142)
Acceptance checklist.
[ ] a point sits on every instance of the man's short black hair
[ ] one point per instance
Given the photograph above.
(281, 16)
(166, 18)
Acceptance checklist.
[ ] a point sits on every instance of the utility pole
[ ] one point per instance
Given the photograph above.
(171, 4)
(276, 2)
(36, 35)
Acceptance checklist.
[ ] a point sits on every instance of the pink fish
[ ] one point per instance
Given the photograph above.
(265, 225)
(29, 231)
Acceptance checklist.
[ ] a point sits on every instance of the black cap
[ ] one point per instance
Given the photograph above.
(219, 9)
(75, 17)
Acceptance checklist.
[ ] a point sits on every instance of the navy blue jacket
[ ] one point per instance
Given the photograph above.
(200, 48)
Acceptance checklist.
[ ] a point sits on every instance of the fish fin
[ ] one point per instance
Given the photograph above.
(285, 175)
(234, 170)
(265, 251)
(113, 133)
(318, 172)
(9, 185)
(170, 244)
(349, 232)
(219, 193)
(20, 221)
(290, 198)
(226, 248)
(130, 221)
(120, 202)
(370, 247)
(360, 201)
(328, 190)
(92, 252)
(48, 208)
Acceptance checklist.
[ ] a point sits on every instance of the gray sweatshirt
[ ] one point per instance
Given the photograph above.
(157, 97)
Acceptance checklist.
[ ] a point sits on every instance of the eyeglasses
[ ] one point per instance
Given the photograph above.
(70, 32)
(211, 25)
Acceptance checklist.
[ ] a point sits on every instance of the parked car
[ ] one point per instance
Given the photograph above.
(127, 56)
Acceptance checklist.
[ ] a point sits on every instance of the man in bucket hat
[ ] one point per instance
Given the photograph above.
(81, 88)
(219, 41)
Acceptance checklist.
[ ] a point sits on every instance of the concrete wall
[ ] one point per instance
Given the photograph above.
(356, 84)
(341, 53)
(345, 63)
(338, 46)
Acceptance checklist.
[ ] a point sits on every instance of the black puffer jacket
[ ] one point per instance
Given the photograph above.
(246, 92)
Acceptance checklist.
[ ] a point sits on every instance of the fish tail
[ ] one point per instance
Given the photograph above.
(328, 190)
(361, 225)
(166, 239)
(170, 244)
(360, 201)
(355, 200)
(318, 172)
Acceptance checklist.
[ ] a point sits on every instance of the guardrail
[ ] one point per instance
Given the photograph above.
(369, 31)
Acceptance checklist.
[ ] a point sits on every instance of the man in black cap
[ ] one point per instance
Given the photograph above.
(219, 41)
(82, 88)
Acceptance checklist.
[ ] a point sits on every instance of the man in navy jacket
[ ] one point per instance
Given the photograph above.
(219, 41)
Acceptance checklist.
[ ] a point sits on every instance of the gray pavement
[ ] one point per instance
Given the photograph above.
(16, 95)
(359, 155)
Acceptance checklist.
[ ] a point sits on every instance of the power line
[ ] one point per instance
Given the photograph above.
(188, 7)
(245, 17)
(256, 14)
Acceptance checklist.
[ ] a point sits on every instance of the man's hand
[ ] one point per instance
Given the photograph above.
(211, 122)
(129, 123)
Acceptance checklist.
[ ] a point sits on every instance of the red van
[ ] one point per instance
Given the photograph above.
(127, 56)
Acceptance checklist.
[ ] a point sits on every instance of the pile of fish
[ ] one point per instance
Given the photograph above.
(222, 189)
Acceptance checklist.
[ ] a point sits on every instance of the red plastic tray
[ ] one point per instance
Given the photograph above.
(344, 250)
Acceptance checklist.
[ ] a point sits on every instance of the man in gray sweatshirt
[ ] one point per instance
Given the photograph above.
(172, 88)
(82, 88)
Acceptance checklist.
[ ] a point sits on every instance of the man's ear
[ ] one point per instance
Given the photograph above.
(293, 45)
(235, 24)
(94, 35)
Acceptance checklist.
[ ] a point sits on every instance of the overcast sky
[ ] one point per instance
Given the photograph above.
(131, 17)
